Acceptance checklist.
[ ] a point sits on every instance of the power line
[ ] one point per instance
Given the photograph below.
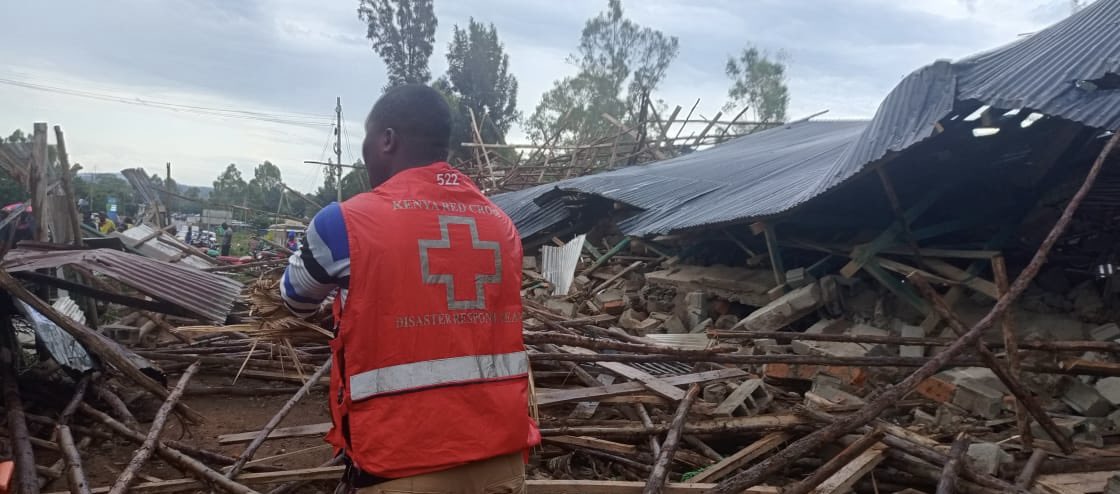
(305, 120)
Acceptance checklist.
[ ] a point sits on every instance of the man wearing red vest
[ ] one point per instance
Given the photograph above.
(429, 389)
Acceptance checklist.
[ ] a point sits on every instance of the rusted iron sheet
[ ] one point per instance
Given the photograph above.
(208, 296)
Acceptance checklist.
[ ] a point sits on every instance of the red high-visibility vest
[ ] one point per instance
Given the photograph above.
(430, 368)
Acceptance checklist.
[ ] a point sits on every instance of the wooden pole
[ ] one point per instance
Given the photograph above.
(40, 179)
(124, 481)
(836, 463)
(660, 472)
(1026, 477)
(173, 456)
(1011, 346)
(755, 475)
(79, 395)
(1021, 393)
(27, 481)
(75, 476)
(534, 338)
(276, 419)
(952, 470)
(116, 404)
(1045, 346)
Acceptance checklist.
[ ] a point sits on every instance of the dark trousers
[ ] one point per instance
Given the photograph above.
(225, 250)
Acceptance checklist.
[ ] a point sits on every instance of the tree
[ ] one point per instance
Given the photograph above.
(614, 55)
(759, 82)
(402, 33)
(230, 187)
(266, 187)
(479, 79)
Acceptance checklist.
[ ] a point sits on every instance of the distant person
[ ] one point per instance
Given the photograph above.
(227, 238)
(292, 244)
(104, 224)
(187, 237)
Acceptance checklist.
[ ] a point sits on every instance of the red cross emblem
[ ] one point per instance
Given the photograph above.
(452, 266)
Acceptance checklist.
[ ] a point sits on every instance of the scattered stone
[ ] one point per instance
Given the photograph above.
(631, 319)
(727, 321)
(566, 309)
(1085, 399)
(1068, 425)
(832, 389)
(978, 398)
(746, 286)
(646, 326)
(715, 393)
(1114, 417)
(529, 263)
(923, 418)
(694, 308)
(987, 457)
(799, 277)
(1106, 332)
(909, 331)
(674, 325)
(1109, 388)
(1113, 484)
(785, 310)
(611, 302)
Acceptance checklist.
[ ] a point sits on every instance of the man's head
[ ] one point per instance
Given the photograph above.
(409, 126)
(102, 217)
(225, 226)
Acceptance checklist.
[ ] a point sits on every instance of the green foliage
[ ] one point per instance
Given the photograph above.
(230, 187)
(10, 189)
(402, 33)
(354, 182)
(265, 189)
(479, 80)
(100, 187)
(620, 65)
(760, 83)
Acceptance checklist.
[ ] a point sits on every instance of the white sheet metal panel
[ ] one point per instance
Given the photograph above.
(559, 264)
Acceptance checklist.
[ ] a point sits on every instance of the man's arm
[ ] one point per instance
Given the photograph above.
(321, 264)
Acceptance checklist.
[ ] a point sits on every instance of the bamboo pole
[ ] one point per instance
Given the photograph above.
(1030, 470)
(141, 455)
(754, 475)
(27, 481)
(1014, 362)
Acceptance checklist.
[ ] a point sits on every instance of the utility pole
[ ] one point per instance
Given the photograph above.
(338, 145)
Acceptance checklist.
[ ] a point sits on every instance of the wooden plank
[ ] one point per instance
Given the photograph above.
(283, 432)
(622, 487)
(653, 383)
(736, 398)
(594, 443)
(279, 376)
(556, 396)
(1089, 482)
(738, 460)
(842, 481)
(964, 277)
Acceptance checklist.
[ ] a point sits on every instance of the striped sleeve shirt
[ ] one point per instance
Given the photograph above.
(321, 264)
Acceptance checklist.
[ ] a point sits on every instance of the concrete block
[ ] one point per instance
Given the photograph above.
(923, 418)
(799, 277)
(727, 321)
(631, 319)
(986, 457)
(785, 310)
(833, 389)
(1085, 399)
(674, 325)
(1109, 388)
(873, 349)
(1113, 484)
(702, 327)
(647, 326)
(566, 309)
(715, 392)
(909, 331)
(1114, 419)
(978, 398)
(829, 348)
(1107, 332)
(1067, 424)
(529, 263)
(611, 301)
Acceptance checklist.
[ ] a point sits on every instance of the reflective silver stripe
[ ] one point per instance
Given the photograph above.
(429, 373)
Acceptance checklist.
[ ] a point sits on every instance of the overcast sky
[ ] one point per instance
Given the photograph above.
(286, 60)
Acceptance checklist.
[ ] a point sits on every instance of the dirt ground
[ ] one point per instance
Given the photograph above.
(224, 415)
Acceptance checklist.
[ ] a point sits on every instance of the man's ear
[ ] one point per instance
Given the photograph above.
(389, 141)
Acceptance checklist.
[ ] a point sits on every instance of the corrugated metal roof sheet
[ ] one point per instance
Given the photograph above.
(778, 169)
(208, 296)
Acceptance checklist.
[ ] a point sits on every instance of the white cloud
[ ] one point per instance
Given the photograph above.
(294, 56)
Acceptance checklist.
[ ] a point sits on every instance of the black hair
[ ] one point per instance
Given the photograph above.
(420, 117)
